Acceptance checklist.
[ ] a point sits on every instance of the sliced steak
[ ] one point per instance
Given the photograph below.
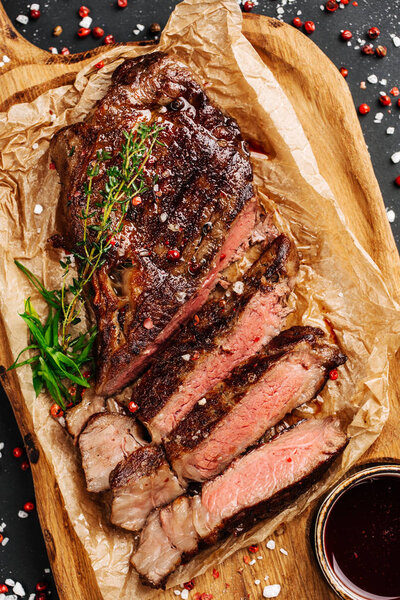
(229, 329)
(77, 416)
(198, 202)
(139, 483)
(288, 372)
(256, 486)
(105, 441)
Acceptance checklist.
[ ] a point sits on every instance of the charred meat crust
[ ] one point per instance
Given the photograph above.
(278, 263)
(204, 181)
(142, 462)
(219, 401)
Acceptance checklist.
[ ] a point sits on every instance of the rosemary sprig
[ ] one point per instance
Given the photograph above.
(59, 356)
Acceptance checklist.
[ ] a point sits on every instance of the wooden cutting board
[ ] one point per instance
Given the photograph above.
(324, 105)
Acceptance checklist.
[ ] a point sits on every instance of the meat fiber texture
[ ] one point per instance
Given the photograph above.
(339, 284)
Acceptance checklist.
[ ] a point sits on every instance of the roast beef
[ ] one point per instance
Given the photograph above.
(291, 370)
(196, 208)
(139, 483)
(105, 441)
(230, 328)
(256, 486)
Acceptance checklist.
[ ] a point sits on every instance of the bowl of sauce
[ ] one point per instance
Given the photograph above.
(357, 535)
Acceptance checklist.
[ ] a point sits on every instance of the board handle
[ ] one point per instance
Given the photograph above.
(15, 46)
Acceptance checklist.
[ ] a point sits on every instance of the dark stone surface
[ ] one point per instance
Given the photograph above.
(24, 557)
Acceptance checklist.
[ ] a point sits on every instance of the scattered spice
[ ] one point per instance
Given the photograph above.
(136, 201)
(99, 65)
(333, 375)
(364, 109)
(394, 91)
(367, 49)
(189, 585)
(122, 3)
(97, 32)
(246, 559)
(331, 5)
(57, 30)
(346, 35)
(309, 27)
(29, 506)
(215, 573)
(297, 22)
(248, 6)
(381, 51)
(173, 255)
(56, 411)
(109, 39)
(83, 11)
(34, 13)
(155, 28)
(25, 465)
(65, 51)
(253, 549)
(17, 452)
(344, 71)
(41, 586)
(83, 32)
(3, 588)
(373, 33)
(132, 406)
(385, 100)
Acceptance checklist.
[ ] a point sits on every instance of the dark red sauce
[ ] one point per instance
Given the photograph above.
(362, 538)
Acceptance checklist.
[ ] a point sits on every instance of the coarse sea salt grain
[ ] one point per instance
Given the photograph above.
(186, 357)
(383, 81)
(34, 6)
(396, 41)
(6, 59)
(238, 287)
(1, 445)
(257, 581)
(135, 31)
(177, 592)
(22, 514)
(38, 209)
(395, 158)
(86, 22)
(35, 146)
(23, 19)
(390, 130)
(271, 545)
(18, 589)
(283, 551)
(185, 594)
(202, 401)
(140, 26)
(252, 562)
(10, 582)
(32, 597)
(372, 79)
(391, 215)
(5, 541)
(272, 591)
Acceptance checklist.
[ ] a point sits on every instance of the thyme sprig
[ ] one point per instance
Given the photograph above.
(59, 353)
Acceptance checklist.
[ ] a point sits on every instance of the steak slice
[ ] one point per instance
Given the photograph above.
(256, 486)
(77, 416)
(198, 202)
(288, 372)
(105, 441)
(139, 483)
(229, 329)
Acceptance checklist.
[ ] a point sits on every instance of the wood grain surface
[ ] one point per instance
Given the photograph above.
(324, 106)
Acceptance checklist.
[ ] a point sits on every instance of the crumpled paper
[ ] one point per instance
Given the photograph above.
(339, 286)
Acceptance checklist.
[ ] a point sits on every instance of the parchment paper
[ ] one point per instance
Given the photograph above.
(338, 280)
